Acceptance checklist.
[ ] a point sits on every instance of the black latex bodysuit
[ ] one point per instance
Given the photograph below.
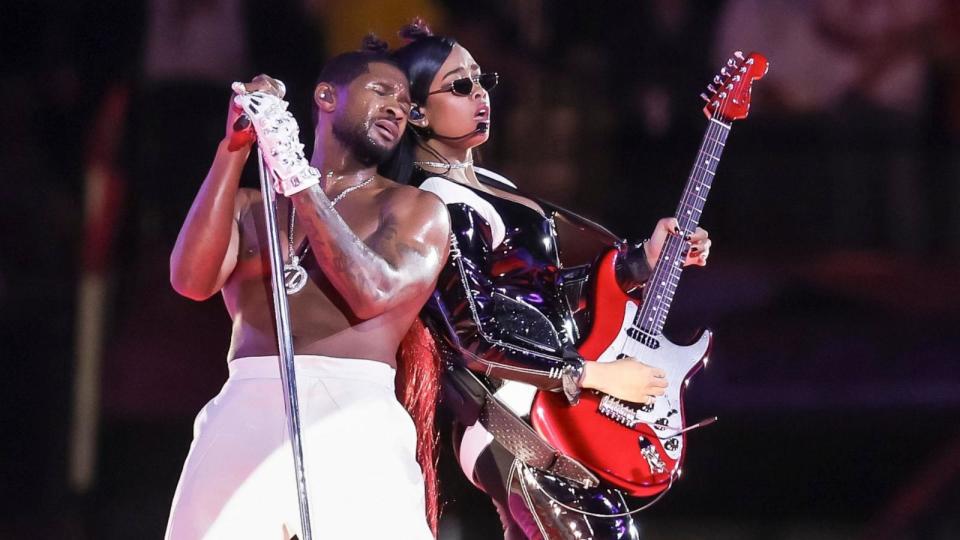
(501, 309)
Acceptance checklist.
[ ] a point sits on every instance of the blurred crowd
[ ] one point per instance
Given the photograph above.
(111, 111)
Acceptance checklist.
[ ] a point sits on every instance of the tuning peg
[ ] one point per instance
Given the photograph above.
(712, 89)
(704, 97)
(716, 79)
(724, 72)
(715, 104)
(743, 69)
(749, 61)
(722, 95)
(736, 78)
(731, 63)
(729, 87)
(738, 55)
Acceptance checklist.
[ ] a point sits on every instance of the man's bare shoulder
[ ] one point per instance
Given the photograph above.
(412, 201)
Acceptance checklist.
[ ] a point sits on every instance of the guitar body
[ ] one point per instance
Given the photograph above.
(639, 448)
(629, 445)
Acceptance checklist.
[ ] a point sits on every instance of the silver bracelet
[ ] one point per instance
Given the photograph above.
(571, 380)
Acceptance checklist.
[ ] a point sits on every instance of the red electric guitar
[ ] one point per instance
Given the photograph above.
(640, 448)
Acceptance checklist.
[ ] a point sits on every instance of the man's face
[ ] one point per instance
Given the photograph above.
(373, 114)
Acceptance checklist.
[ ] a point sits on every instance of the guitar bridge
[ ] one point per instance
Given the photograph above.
(618, 411)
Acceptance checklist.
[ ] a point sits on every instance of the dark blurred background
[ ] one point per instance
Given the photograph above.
(832, 286)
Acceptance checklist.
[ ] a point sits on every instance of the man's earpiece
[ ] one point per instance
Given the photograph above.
(416, 113)
(324, 95)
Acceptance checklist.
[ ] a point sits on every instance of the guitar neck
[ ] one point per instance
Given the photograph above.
(662, 285)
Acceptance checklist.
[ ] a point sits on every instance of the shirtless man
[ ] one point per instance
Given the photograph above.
(372, 250)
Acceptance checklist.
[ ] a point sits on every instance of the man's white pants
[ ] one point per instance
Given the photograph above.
(363, 480)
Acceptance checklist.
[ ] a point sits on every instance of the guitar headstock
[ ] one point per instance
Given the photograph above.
(728, 96)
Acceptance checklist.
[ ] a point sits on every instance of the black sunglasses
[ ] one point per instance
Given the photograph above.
(464, 86)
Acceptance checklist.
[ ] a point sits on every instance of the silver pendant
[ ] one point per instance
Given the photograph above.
(294, 276)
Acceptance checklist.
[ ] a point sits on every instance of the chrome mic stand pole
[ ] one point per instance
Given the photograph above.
(285, 343)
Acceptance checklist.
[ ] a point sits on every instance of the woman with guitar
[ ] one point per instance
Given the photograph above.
(502, 307)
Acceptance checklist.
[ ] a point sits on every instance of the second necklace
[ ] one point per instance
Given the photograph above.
(294, 276)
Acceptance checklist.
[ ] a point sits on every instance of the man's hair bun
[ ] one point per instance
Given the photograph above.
(371, 43)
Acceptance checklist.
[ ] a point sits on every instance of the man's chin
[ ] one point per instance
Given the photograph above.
(366, 147)
(384, 148)
(374, 152)
(385, 142)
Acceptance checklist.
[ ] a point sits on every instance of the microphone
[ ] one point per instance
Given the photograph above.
(482, 127)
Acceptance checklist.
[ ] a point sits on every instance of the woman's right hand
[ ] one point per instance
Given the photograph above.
(626, 378)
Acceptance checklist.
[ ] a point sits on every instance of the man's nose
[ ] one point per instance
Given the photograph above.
(396, 110)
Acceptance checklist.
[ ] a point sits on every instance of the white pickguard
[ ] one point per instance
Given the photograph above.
(676, 360)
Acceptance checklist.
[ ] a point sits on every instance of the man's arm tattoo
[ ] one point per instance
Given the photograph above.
(370, 270)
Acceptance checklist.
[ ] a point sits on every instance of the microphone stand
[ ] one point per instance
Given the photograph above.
(285, 344)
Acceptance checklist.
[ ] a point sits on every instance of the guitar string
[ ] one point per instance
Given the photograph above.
(712, 129)
(674, 248)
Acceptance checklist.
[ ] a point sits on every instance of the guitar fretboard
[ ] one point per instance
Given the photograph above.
(662, 285)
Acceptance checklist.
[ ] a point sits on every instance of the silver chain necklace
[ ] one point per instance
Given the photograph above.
(453, 165)
(294, 276)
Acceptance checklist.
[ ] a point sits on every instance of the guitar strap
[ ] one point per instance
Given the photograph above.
(515, 435)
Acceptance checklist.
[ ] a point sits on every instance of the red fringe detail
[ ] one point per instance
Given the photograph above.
(418, 389)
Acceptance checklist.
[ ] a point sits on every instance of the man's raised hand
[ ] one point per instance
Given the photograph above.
(278, 134)
(240, 130)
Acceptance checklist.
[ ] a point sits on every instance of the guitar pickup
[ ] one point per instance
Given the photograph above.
(643, 337)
